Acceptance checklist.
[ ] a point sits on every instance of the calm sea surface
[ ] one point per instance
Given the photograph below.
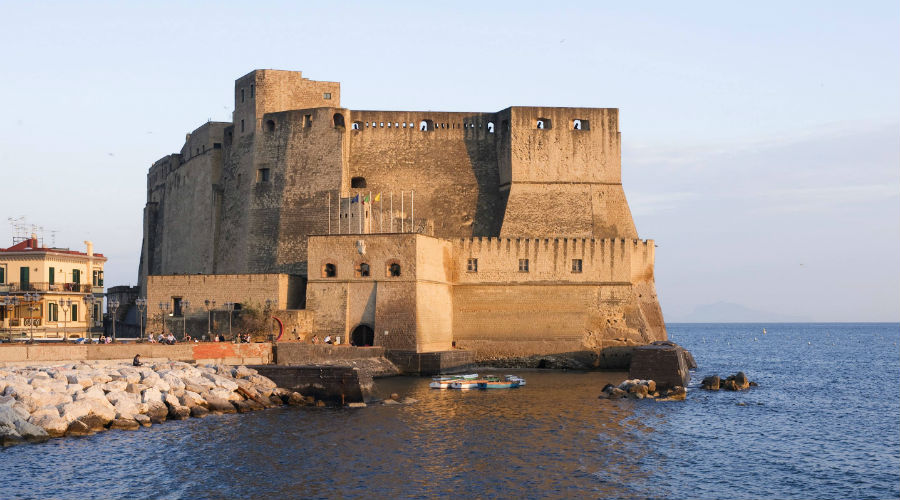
(824, 423)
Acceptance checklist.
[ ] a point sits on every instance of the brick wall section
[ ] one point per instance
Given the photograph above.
(240, 288)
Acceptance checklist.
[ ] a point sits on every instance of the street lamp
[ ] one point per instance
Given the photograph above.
(163, 309)
(32, 299)
(141, 305)
(271, 304)
(65, 304)
(185, 305)
(89, 301)
(10, 302)
(230, 307)
(114, 306)
(210, 305)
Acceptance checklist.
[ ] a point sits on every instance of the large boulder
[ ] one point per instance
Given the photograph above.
(80, 379)
(54, 426)
(711, 383)
(78, 428)
(102, 410)
(94, 423)
(157, 411)
(143, 420)
(190, 399)
(74, 410)
(179, 412)
(243, 372)
(219, 405)
(151, 394)
(175, 382)
(222, 382)
(114, 386)
(125, 424)
(199, 411)
(259, 380)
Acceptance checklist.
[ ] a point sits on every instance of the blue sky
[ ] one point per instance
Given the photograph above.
(761, 141)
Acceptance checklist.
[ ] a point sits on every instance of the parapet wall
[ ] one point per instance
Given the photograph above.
(207, 352)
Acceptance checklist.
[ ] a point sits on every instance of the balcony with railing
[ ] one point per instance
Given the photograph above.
(35, 286)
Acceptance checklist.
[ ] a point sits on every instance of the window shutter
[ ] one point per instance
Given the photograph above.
(74, 312)
(52, 275)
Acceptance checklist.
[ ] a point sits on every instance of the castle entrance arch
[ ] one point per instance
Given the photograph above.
(362, 335)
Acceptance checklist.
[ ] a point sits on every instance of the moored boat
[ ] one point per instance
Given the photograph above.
(445, 381)
(497, 384)
(464, 384)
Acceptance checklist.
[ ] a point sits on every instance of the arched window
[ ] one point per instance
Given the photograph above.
(329, 271)
(490, 127)
(356, 125)
(338, 120)
(358, 182)
(426, 125)
(544, 123)
(394, 270)
(363, 270)
(270, 125)
(579, 124)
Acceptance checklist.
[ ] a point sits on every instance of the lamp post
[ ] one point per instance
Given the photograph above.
(89, 301)
(32, 299)
(163, 309)
(141, 305)
(65, 304)
(230, 307)
(113, 305)
(271, 304)
(210, 305)
(185, 305)
(11, 302)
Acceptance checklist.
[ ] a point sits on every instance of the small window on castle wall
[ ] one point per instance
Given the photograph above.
(329, 271)
(579, 124)
(544, 124)
(576, 265)
(252, 91)
(358, 182)
(490, 127)
(270, 125)
(472, 265)
(356, 126)
(326, 95)
(338, 120)
(426, 125)
(523, 265)
(242, 95)
(307, 120)
(242, 125)
(362, 271)
(262, 175)
(394, 270)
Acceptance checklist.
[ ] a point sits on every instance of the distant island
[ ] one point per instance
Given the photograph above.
(729, 312)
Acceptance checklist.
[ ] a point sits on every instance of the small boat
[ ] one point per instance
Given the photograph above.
(464, 384)
(516, 378)
(444, 381)
(497, 384)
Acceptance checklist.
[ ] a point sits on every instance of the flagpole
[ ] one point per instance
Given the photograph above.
(380, 213)
(329, 212)
(359, 222)
(370, 214)
(412, 201)
(403, 212)
(392, 211)
(349, 229)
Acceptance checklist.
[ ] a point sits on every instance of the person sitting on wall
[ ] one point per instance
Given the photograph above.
(315, 339)
(170, 339)
(151, 339)
(137, 360)
(102, 339)
(187, 338)
(328, 339)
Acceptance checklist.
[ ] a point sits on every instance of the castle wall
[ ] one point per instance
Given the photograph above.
(452, 168)
(247, 289)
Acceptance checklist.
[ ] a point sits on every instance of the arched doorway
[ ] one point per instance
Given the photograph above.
(362, 335)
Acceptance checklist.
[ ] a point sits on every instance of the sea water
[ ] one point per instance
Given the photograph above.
(823, 423)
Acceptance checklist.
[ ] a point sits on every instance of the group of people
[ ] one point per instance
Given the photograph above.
(161, 339)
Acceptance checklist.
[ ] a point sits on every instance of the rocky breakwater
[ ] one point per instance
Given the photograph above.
(736, 382)
(37, 403)
(643, 389)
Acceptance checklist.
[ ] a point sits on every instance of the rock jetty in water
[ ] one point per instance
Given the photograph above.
(736, 382)
(37, 403)
(642, 389)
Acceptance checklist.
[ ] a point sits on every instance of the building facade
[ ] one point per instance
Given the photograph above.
(49, 292)
(510, 228)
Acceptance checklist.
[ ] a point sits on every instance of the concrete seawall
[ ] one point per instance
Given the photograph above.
(207, 352)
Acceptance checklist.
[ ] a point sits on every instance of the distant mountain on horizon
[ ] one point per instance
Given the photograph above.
(729, 312)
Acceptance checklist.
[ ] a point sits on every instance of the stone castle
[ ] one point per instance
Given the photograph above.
(506, 233)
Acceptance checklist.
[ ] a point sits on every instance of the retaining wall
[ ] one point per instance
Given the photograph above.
(205, 352)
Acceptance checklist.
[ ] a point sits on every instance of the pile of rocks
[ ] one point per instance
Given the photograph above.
(736, 382)
(79, 399)
(640, 389)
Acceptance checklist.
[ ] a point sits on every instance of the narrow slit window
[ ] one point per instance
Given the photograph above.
(472, 265)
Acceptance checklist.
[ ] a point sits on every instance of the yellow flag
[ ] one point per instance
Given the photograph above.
(378, 197)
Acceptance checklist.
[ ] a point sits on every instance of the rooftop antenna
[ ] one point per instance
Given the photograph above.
(53, 237)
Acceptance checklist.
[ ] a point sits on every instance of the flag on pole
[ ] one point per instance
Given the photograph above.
(378, 197)
(366, 199)
(355, 199)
